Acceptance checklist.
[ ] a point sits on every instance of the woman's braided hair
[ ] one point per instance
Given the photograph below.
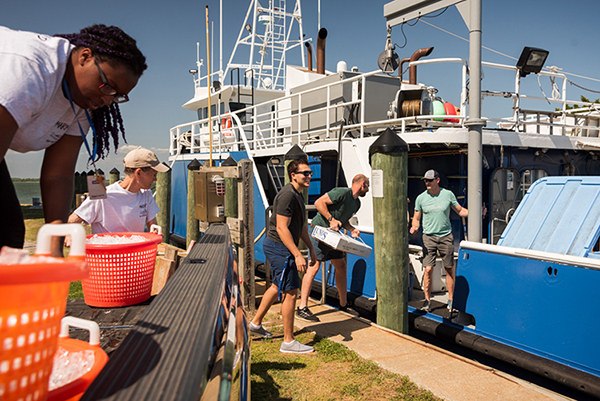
(109, 44)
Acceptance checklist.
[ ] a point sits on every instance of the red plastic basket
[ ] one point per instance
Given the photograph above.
(73, 390)
(33, 299)
(120, 274)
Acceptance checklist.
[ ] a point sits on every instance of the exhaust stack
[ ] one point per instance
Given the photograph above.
(321, 51)
(400, 69)
(309, 56)
(412, 72)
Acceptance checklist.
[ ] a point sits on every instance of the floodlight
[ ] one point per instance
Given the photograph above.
(531, 60)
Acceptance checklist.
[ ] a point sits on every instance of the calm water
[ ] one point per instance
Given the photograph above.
(27, 190)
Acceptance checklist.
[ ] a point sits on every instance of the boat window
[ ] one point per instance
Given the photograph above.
(202, 113)
(528, 177)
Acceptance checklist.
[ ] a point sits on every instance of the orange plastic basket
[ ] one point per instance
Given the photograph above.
(74, 389)
(120, 274)
(33, 298)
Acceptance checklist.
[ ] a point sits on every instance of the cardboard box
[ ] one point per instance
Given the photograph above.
(341, 242)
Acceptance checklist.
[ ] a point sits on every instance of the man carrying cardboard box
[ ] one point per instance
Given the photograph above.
(335, 209)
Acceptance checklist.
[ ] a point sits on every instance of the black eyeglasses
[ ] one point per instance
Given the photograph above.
(306, 173)
(428, 180)
(109, 90)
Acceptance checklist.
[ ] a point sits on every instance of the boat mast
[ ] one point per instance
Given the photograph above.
(221, 77)
(269, 39)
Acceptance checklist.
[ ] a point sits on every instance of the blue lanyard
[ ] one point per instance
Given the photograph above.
(87, 146)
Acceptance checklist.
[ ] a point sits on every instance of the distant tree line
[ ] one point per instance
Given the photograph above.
(583, 99)
(26, 180)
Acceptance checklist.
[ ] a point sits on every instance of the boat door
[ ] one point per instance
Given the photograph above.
(505, 195)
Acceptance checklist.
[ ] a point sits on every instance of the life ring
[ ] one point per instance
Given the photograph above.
(450, 111)
(226, 123)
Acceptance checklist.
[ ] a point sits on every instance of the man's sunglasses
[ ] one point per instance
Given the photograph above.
(428, 180)
(306, 173)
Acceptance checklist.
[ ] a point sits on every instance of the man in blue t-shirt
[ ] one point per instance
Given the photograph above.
(335, 209)
(435, 204)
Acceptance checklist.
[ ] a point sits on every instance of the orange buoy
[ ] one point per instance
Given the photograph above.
(450, 111)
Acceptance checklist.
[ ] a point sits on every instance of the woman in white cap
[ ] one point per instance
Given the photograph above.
(129, 205)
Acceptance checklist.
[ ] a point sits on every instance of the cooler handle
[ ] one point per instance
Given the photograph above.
(89, 325)
(47, 231)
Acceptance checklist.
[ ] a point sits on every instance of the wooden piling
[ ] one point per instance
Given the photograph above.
(114, 176)
(163, 200)
(231, 190)
(86, 189)
(246, 248)
(75, 190)
(389, 166)
(193, 229)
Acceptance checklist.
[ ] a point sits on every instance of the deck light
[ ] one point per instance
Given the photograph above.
(531, 60)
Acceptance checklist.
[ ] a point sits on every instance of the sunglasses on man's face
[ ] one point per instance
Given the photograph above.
(428, 180)
(306, 173)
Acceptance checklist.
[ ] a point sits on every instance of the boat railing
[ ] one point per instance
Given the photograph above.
(289, 119)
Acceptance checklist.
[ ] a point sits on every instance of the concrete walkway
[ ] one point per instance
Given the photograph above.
(446, 375)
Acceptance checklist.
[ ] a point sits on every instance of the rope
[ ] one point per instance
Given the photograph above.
(581, 87)
(513, 58)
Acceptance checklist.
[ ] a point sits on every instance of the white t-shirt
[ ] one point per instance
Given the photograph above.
(121, 211)
(32, 67)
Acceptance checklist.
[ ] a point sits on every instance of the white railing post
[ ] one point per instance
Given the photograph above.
(362, 107)
(327, 109)
(299, 116)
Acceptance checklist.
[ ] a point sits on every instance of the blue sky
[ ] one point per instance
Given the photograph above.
(167, 32)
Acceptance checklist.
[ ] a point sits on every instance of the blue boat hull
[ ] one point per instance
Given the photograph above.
(534, 305)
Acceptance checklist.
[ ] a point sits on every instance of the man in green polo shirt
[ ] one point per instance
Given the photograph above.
(335, 209)
(435, 204)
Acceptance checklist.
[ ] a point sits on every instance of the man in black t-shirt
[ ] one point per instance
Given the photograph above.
(287, 226)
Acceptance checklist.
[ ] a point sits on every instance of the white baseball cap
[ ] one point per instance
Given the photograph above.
(142, 157)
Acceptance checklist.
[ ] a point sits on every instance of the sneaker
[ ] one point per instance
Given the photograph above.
(426, 306)
(259, 331)
(295, 348)
(349, 310)
(306, 315)
(450, 305)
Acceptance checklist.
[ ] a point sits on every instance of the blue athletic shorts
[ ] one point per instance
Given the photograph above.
(278, 255)
(324, 252)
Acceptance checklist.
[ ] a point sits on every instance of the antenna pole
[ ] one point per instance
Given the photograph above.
(208, 87)
(221, 78)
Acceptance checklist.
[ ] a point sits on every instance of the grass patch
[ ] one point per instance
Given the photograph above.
(32, 226)
(32, 213)
(75, 290)
(332, 372)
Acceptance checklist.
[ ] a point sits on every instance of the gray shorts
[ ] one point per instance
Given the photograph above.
(444, 245)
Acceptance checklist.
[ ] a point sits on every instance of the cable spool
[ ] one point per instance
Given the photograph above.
(410, 108)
